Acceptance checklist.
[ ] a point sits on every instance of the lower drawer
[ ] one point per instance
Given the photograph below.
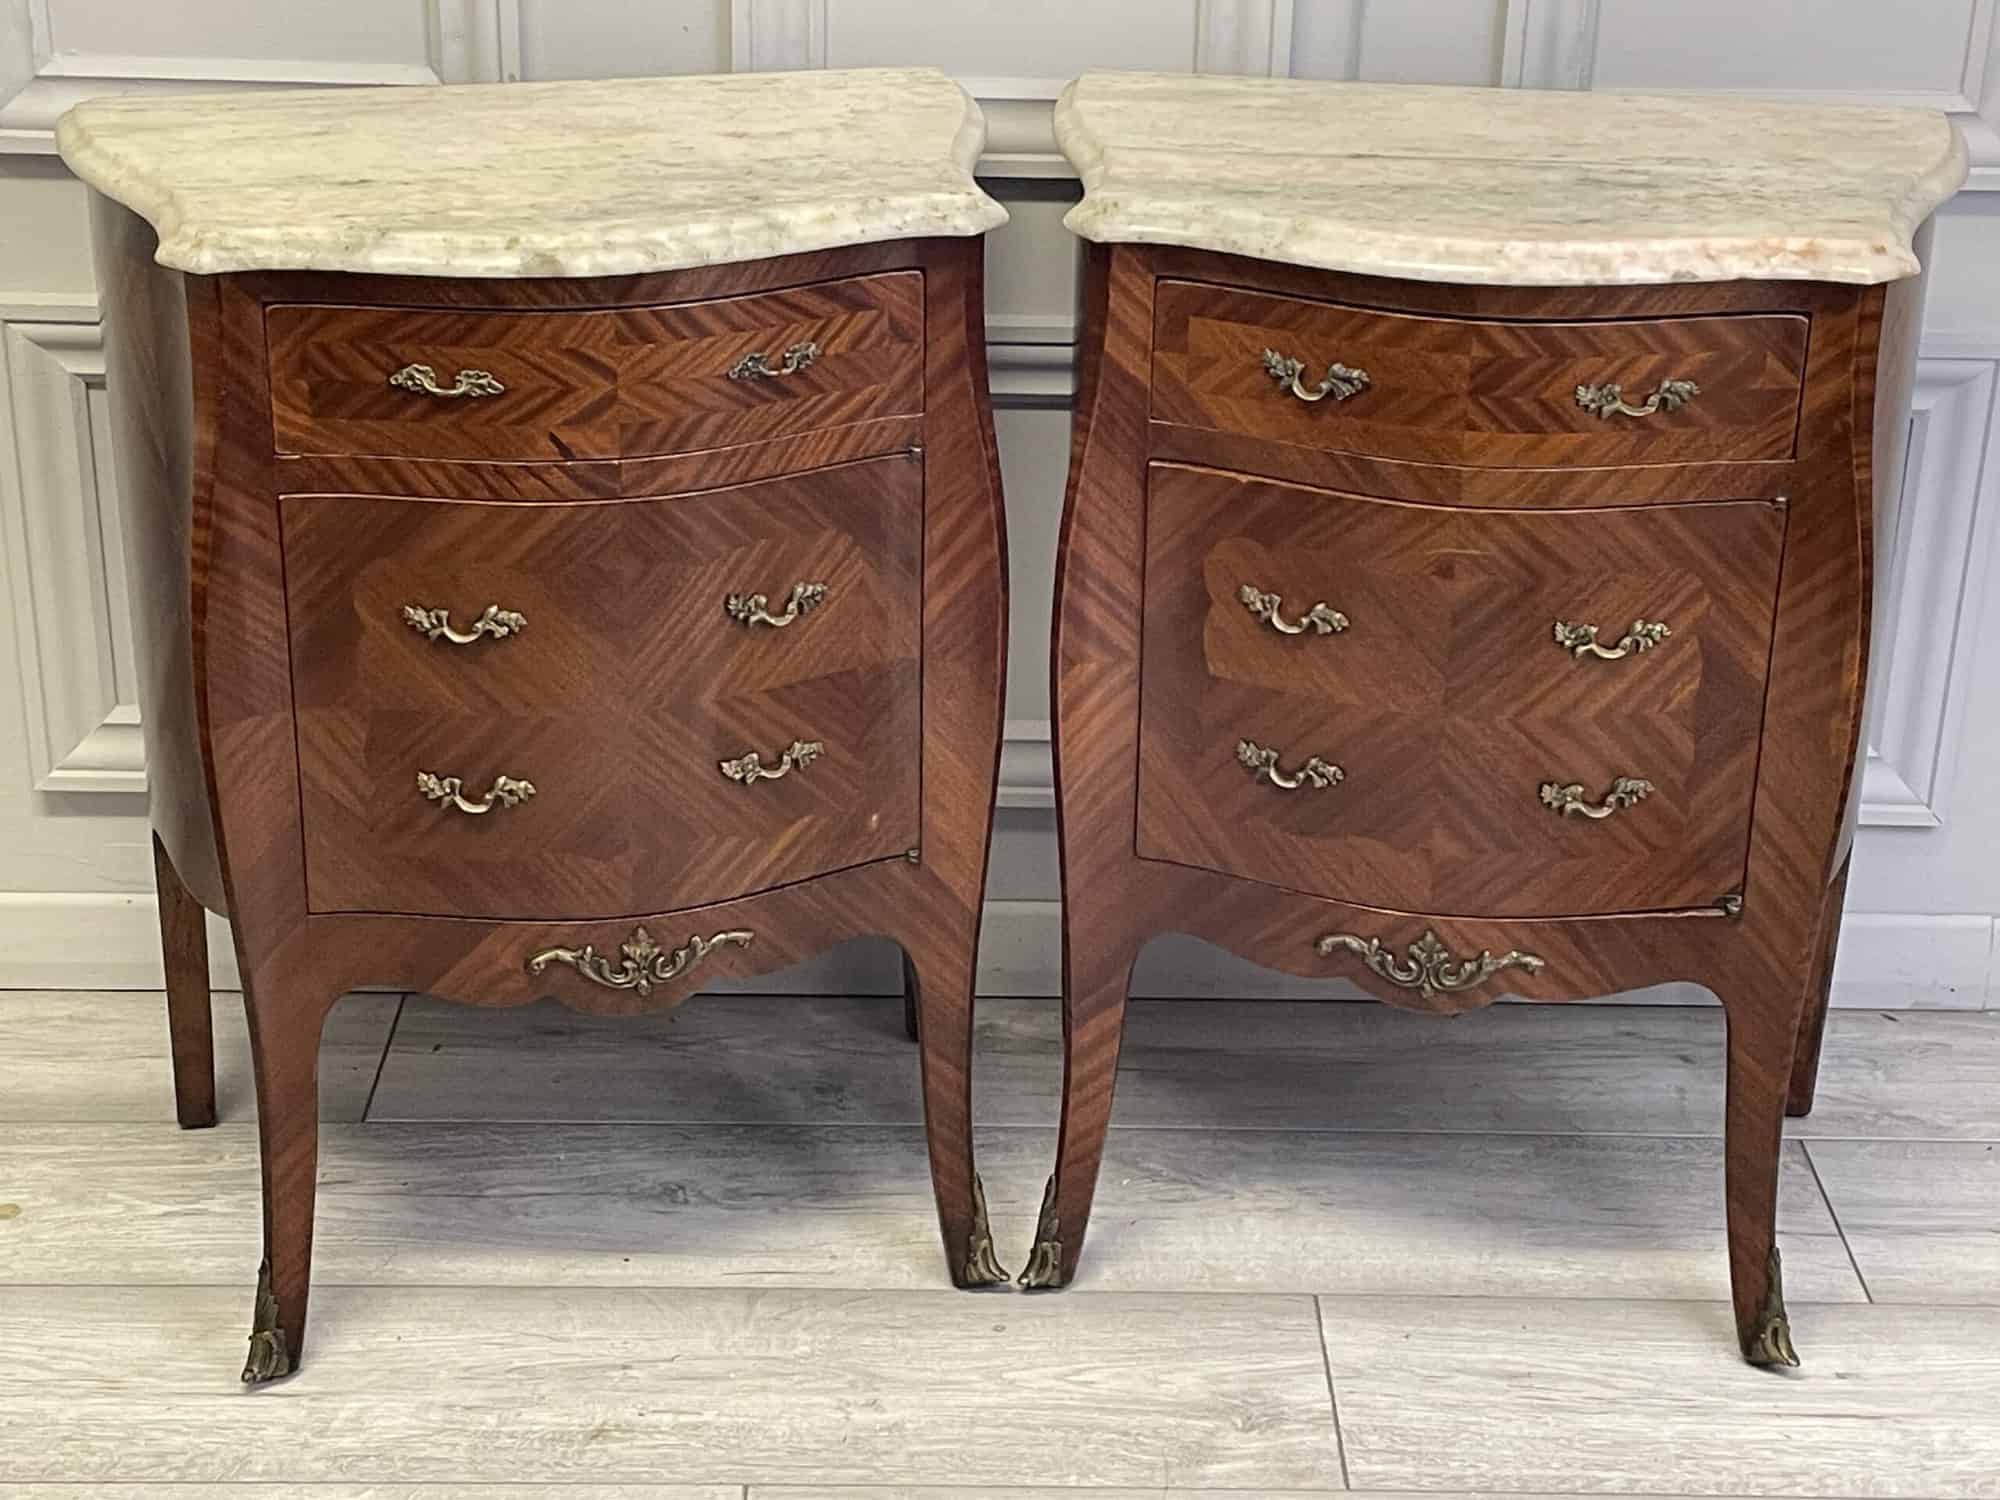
(624, 660)
(1369, 701)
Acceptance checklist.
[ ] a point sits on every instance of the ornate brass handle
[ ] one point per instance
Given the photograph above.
(507, 791)
(1322, 617)
(435, 624)
(1626, 791)
(1263, 766)
(749, 768)
(1341, 383)
(759, 367)
(1430, 969)
(423, 380)
(755, 609)
(1605, 400)
(1581, 640)
(642, 963)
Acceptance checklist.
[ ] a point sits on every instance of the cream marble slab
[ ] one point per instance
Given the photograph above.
(540, 179)
(101, 1055)
(1505, 186)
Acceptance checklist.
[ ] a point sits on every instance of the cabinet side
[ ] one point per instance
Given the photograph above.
(1882, 450)
(150, 383)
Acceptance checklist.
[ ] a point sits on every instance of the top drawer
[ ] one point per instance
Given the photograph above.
(610, 383)
(1463, 391)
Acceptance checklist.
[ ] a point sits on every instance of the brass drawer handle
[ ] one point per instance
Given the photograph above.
(755, 609)
(507, 791)
(1626, 791)
(1604, 401)
(1322, 617)
(1262, 765)
(1341, 383)
(749, 768)
(1430, 968)
(759, 367)
(435, 624)
(1581, 640)
(642, 963)
(423, 380)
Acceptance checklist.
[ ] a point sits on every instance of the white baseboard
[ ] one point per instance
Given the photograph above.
(1888, 961)
(66, 940)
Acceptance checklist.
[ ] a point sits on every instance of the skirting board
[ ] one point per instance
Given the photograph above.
(1887, 961)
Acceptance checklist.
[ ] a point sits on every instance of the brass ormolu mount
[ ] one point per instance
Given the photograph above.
(982, 1267)
(269, 1358)
(1770, 1342)
(1044, 1267)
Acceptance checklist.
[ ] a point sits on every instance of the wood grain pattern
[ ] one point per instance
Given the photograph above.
(162, 455)
(1919, 1216)
(619, 698)
(1819, 994)
(1758, 964)
(295, 961)
(859, 1388)
(1446, 699)
(1461, 390)
(190, 1030)
(1520, 1396)
(44, 1032)
(705, 1204)
(611, 383)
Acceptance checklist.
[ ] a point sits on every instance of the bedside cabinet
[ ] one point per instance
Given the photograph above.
(572, 562)
(1464, 588)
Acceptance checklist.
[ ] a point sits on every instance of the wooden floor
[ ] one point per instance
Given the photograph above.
(1336, 1247)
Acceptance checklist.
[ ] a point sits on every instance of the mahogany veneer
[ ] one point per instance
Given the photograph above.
(1426, 539)
(1478, 390)
(363, 605)
(604, 383)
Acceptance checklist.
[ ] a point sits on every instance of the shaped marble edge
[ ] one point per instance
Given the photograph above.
(605, 178)
(1365, 211)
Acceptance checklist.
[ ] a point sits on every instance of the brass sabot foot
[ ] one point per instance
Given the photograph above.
(982, 1268)
(1770, 1341)
(1044, 1269)
(269, 1358)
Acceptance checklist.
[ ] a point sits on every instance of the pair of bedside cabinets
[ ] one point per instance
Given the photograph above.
(573, 563)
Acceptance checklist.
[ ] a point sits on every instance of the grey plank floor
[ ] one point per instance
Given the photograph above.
(1335, 1247)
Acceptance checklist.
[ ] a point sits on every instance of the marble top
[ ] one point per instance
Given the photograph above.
(1505, 186)
(539, 179)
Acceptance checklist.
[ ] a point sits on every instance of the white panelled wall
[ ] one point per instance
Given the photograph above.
(75, 869)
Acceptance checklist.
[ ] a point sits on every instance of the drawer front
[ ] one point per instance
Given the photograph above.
(1462, 391)
(1413, 650)
(613, 656)
(612, 383)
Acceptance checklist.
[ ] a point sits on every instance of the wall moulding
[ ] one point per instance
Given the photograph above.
(1230, 36)
(1940, 566)
(466, 41)
(1556, 44)
(64, 562)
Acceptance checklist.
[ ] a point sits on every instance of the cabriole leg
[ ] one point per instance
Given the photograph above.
(1761, 1037)
(285, 1024)
(190, 1028)
(938, 975)
(1094, 996)
(1819, 990)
